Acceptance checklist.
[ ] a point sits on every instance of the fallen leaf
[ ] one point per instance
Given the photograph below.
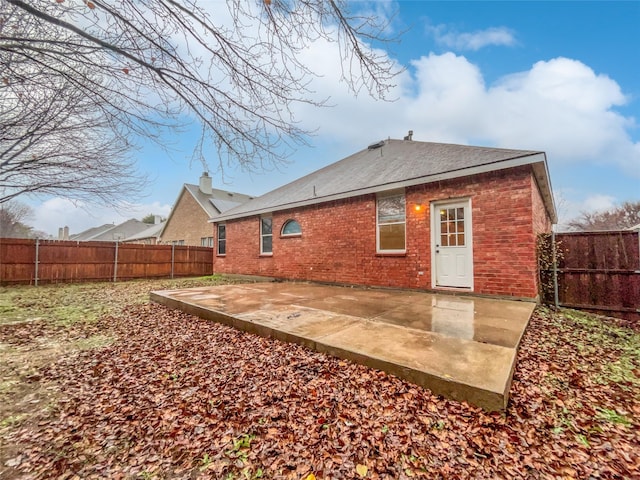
(362, 470)
(173, 392)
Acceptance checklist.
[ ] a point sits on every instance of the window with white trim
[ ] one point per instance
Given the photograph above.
(291, 228)
(206, 241)
(391, 223)
(221, 238)
(266, 236)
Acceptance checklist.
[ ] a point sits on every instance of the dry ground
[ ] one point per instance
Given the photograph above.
(98, 383)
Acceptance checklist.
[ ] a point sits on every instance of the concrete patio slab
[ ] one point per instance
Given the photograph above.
(461, 347)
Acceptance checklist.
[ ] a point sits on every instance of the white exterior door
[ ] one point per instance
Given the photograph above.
(451, 244)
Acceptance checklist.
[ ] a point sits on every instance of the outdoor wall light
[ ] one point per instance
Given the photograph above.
(418, 207)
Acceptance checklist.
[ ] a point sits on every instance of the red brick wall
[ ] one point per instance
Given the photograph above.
(338, 241)
(541, 220)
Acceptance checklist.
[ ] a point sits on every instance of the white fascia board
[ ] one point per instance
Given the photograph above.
(491, 167)
(543, 181)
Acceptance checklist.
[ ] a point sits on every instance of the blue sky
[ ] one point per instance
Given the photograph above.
(560, 77)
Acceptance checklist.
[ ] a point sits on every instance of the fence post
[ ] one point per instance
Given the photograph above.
(638, 234)
(173, 250)
(115, 264)
(555, 268)
(37, 261)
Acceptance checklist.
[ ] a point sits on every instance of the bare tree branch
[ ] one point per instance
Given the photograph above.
(149, 68)
(13, 218)
(624, 216)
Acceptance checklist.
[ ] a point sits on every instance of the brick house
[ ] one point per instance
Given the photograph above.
(188, 222)
(400, 213)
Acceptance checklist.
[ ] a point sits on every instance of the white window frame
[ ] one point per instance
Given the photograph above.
(224, 225)
(264, 235)
(284, 225)
(206, 241)
(403, 222)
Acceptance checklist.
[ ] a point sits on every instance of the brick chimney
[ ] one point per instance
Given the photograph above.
(205, 184)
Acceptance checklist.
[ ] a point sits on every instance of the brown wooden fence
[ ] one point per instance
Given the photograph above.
(53, 261)
(599, 272)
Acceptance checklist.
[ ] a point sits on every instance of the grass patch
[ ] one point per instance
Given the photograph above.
(95, 341)
(68, 304)
(588, 333)
(612, 416)
(12, 420)
(8, 386)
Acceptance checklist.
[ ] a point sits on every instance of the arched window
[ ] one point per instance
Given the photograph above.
(291, 228)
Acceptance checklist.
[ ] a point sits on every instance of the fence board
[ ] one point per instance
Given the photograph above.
(69, 261)
(600, 272)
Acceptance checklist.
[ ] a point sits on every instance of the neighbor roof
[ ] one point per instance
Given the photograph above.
(152, 231)
(219, 200)
(394, 164)
(110, 232)
(91, 233)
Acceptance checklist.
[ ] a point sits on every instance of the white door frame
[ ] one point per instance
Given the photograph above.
(435, 206)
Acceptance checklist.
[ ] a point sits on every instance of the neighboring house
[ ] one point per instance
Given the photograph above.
(400, 213)
(63, 233)
(149, 236)
(188, 222)
(111, 232)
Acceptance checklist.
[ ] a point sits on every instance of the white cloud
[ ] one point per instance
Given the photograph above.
(598, 203)
(571, 205)
(443, 35)
(560, 106)
(57, 212)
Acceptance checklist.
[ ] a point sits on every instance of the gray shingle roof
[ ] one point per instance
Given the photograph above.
(150, 232)
(110, 232)
(395, 164)
(218, 199)
(91, 233)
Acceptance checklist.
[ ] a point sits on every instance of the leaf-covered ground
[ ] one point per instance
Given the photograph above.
(145, 392)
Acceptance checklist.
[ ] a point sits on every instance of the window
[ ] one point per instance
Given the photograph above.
(291, 228)
(266, 236)
(177, 242)
(206, 241)
(452, 227)
(222, 239)
(391, 223)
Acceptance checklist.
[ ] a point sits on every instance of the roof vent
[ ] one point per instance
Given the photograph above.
(373, 146)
